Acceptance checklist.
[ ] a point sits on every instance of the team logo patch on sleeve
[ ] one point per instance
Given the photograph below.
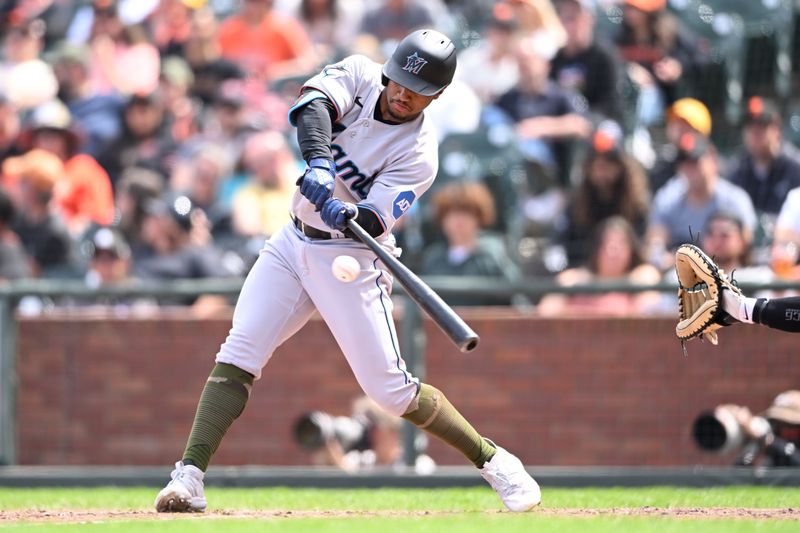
(402, 203)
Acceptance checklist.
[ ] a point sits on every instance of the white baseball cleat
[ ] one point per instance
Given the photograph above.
(511, 482)
(184, 494)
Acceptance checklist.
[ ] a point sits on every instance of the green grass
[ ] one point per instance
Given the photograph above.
(455, 510)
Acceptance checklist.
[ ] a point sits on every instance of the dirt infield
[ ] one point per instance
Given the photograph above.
(91, 516)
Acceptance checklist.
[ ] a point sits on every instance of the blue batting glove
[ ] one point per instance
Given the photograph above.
(318, 181)
(335, 213)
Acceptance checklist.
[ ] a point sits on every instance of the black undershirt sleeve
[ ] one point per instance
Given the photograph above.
(778, 313)
(314, 131)
(368, 220)
(315, 128)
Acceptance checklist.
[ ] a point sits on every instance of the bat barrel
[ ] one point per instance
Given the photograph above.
(453, 325)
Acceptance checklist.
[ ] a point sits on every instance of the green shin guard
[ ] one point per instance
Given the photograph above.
(224, 397)
(432, 412)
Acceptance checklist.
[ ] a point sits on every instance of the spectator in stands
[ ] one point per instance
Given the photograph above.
(40, 228)
(108, 262)
(25, 79)
(785, 248)
(227, 118)
(612, 184)
(55, 14)
(724, 238)
(9, 129)
(767, 168)
(545, 115)
(261, 205)
(122, 58)
(584, 65)
(171, 26)
(457, 110)
(267, 44)
(177, 79)
(84, 194)
(538, 21)
(493, 53)
(391, 20)
(109, 257)
(202, 48)
(210, 76)
(787, 226)
(462, 210)
(201, 183)
(225, 123)
(784, 255)
(146, 140)
(178, 246)
(615, 255)
(477, 13)
(659, 51)
(547, 122)
(170, 231)
(13, 260)
(686, 115)
(332, 25)
(97, 115)
(686, 203)
(135, 188)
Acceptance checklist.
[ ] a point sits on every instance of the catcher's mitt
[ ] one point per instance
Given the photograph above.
(700, 284)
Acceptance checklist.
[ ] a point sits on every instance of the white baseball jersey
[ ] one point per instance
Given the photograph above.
(384, 167)
(379, 166)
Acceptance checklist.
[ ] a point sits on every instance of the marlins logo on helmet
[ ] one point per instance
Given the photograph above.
(414, 63)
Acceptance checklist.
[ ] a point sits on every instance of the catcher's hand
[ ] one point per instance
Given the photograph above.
(700, 286)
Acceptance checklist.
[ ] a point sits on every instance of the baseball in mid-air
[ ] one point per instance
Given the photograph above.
(345, 268)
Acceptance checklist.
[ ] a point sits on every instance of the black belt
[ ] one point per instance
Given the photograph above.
(310, 231)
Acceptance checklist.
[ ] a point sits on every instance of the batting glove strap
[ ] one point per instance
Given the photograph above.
(321, 162)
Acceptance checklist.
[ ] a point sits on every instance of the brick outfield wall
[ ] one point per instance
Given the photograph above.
(614, 391)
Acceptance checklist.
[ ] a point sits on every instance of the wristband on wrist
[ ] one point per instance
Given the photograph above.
(321, 162)
(758, 307)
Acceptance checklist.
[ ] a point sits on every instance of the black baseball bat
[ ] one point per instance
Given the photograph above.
(441, 313)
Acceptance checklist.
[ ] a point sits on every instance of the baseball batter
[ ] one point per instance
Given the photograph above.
(371, 153)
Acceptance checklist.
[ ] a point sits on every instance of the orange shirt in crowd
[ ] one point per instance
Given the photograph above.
(86, 194)
(257, 48)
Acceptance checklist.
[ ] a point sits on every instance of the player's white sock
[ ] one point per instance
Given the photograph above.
(739, 307)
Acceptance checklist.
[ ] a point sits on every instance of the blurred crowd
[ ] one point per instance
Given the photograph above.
(148, 139)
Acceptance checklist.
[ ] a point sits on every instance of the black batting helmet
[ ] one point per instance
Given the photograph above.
(423, 62)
